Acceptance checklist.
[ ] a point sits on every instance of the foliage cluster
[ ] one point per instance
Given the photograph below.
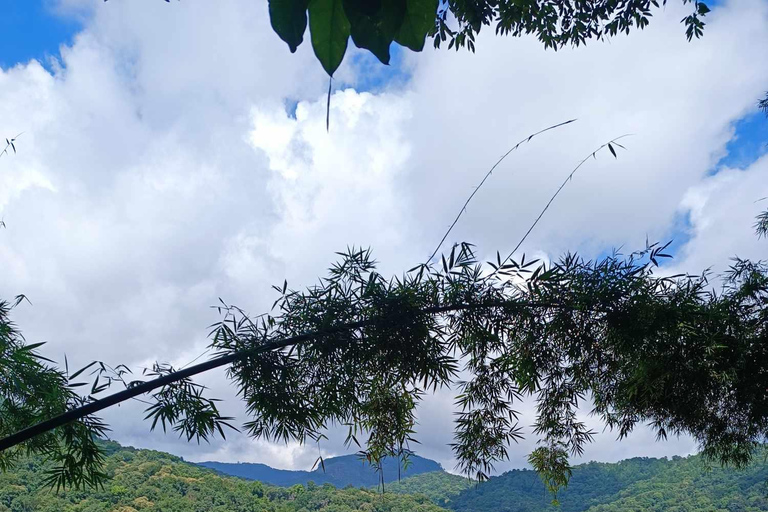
(32, 389)
(374, 25)
(665, 350)
(761, 224)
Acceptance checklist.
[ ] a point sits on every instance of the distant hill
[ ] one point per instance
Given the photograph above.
(339, 471)
(150, 481)
(680, 484)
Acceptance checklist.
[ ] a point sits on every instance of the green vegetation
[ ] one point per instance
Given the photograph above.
(438, 486)
(375, 25)
(144, 480)
(32, 390)
(634, 485)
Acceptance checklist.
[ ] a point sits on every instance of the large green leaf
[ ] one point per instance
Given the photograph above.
(419, 20)
(289, 20)
(375, 30)
(329, 28)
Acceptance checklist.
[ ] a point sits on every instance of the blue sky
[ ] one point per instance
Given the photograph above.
(750, 141)
(31, 29)
(36, 29)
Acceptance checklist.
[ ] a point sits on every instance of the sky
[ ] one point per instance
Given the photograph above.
(176, 153)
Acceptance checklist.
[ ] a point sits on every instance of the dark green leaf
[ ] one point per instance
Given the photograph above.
(289, 20)
(418, 21)
(329, 28)
(377, 31)
(31, 347)
(81, 370)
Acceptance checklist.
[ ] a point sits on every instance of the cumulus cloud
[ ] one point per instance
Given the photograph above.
(161, 169)
(721, 210)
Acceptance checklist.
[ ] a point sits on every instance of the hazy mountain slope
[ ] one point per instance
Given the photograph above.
(339, 471)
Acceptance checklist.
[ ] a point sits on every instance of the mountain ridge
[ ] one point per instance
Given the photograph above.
(340, 471)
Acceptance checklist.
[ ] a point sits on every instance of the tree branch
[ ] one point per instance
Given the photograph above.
(145, 387)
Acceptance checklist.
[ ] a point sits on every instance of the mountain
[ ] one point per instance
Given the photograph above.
(339, 471)
(150, 481)
(680, 484)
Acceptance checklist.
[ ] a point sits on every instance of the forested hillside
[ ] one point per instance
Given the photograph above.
(144, 480)
(339, 471)
(149, 481)
(438, 486)
(634, 485)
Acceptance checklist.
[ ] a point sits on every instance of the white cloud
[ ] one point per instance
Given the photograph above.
(722, 211)
(159, 171)
(677, 98)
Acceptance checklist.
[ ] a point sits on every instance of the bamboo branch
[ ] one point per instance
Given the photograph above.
(145, 387)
